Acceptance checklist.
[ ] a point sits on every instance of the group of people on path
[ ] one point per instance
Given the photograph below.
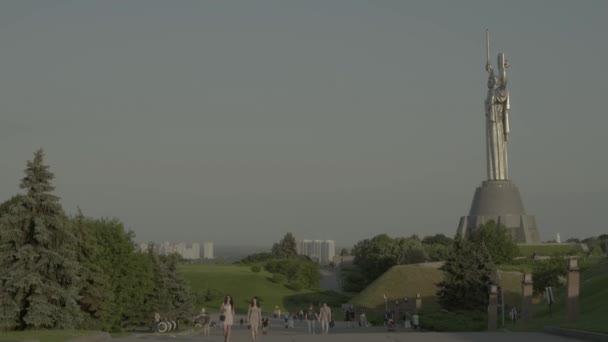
(255, 320)
(409, 321)
(324, 316)
(254, 317)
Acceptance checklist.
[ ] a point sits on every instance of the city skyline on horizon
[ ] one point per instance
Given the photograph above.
(240, 122)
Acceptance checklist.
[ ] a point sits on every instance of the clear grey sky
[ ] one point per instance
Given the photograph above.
(239, 121)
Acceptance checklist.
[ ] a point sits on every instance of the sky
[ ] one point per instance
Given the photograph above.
(239, 121)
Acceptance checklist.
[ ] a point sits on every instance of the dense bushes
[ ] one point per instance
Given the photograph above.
(375, 256)
(257, 258)
(299, 272)
(278, 278)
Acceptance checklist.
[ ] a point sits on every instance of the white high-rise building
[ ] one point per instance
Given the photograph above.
(322, 251)
(208, 250)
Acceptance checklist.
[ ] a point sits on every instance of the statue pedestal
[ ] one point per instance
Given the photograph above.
(500, 201)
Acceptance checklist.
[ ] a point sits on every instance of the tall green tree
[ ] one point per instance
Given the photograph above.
(169, 292)
(296, 270)
(129, 273)
(467, 274)
(38, 264)
(376, 255)
(547, 273)
(5, 207)
(497, 240)
(410, 251)
(286, 248)
(95, 292)
(437, 239)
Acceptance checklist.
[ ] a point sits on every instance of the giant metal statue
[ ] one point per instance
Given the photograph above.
(497, 117)
(498, 199)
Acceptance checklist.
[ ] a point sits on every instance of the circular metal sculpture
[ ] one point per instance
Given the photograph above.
(163, 327)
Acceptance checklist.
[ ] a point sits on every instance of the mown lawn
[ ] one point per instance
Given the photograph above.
(44, 335)
(242, 284)
(408, 280)
(593, 304)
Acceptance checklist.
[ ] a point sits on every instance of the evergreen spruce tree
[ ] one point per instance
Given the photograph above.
(169, 292)
(95, 295)
(467, 274)
(38, 266)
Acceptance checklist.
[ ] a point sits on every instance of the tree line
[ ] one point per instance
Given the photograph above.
(60, 271)
(295, 271)
(376, 255)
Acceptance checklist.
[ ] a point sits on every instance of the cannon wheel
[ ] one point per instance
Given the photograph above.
(163, 327)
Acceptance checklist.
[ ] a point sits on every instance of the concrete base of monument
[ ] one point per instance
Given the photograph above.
(500, 201)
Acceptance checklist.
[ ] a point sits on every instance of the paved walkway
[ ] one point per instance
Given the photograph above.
(341, 333)
(329, 279)
(283, 336)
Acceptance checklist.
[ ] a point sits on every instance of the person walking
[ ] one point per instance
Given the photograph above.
(347, 318)
(265, 324)
(205, 322)
(156, 321)
(363, 320)
(311, 316)
(407, 321)
(254, 318)
(227, 310)
(325, 318)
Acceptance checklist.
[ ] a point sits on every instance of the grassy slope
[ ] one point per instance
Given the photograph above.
(44, 335)
(593, 304)
(408, 280)
(242, 284)
(399, 282)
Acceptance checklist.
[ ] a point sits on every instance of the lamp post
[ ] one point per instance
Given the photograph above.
(385, 304)
(493, 308)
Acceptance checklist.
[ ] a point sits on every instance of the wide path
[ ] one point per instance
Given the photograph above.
(283, 336)
(342, 333)
(329, 279)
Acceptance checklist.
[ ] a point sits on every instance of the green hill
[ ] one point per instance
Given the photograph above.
(593, 304)
(408, 280)
(242, 284)
(399, 282)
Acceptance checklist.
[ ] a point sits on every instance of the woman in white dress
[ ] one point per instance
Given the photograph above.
(254, 318)
(227, 309)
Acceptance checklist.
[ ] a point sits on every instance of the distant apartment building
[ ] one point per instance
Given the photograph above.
(192, 252)
(208, 250)
(322, 251)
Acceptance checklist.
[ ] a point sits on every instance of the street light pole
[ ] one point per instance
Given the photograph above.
(385, 303)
